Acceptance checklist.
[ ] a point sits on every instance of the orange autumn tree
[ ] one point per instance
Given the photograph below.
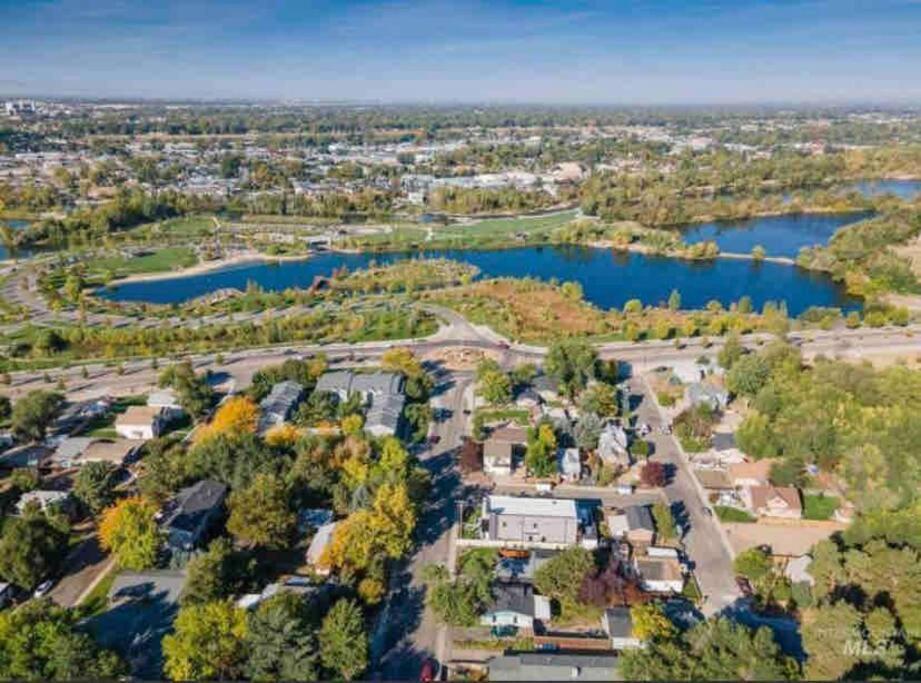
(236, 416)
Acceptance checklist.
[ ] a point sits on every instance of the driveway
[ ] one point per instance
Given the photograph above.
(85, 564)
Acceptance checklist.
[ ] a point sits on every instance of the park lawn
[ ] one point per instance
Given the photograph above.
(731, 514)
(495, 227)
(170, 258)
(187, 226)
(819, 506)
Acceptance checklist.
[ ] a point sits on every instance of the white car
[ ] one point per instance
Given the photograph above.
(43, 588)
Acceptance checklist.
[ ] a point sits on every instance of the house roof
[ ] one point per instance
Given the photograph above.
(797, 570)
(534, 666)
(334, 382)
(569, 460)
(786, 495)
(385, 411)
(639, 517)
(377, 382)
(28, 455)
(509, 434)
(70, 448)
(139, 415)
(281, 399)
(713, 479)
(537, 507)
(497, 451)
(115, 451)
(513, 597)
(193, 503)
(618, 622)
(659, 568)
(545, 383)
(757, 470)
(163, 398)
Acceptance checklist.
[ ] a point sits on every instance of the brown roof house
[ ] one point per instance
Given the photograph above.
(773, 501)
(756, 473)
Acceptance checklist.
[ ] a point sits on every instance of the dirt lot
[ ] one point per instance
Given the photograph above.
(786, 538)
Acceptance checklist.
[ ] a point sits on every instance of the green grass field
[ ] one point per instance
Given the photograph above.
(162, 260)
(819, 506)
(730, 514)
(502, 227)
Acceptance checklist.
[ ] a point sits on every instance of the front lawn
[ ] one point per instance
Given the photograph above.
(731, 514)
(819, 506)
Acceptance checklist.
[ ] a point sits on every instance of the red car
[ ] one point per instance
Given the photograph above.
(427, 672)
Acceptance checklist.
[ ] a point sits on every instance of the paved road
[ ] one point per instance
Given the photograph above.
(704, 540)
(410, 632)
(80, 570)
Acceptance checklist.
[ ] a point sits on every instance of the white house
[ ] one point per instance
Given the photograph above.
(497, 458)
(660, 574)
(317, 547)
(141, 422)
(167, 401)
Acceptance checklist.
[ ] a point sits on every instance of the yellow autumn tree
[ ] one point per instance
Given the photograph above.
(282, 436)
(236, 416)
(393, 519)
(129, 531)
(352, 424)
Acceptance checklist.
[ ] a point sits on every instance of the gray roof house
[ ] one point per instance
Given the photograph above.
(617, 622)
(382, 392)
(612, 445)
(569, 464)
(278, 406)
(191, 512)
(531, 520)
(536, 666)
(640, 526)
(515, 604)
(69, 450)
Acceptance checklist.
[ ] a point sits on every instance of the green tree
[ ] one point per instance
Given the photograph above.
(343, 640)
(33, 413)
(31, 548)
(193, 392)
(561, 576)
(216, 574)
(674, 300)
(588, 431)
(572, 364)
(207, 643)
(40, 641)
(540, 456)
(754, 564)
(94, 486)
(261, 513)
(495, 387)
(651, 623)
(731, 351)
(281, 641)
(748, 375)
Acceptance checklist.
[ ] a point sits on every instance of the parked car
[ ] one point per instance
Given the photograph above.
(427, 672)
(43, 588)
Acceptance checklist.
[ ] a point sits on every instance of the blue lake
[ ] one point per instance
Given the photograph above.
(779, 235)
(903, 189)
(609, 279)
(16, 224)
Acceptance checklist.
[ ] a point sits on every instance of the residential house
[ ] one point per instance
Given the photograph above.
(773, 501)
(166, 400)
(641, 529)
(531, 520)
(515, 604)
(660, 574)
(317, 547)
(613, 446)
(714, 478)
(76, 414)
(617, 622)
(715, 398)
(497, 457)
(313, 518)
(117, 452)
(746, 474)
(797, 570)
(191, 513)
(27, 455)
(381, 392)
(141, 422)
(277, 408)
(539, 666)
(569, 464)
(45, 500)
(617, 525)
(68, 450)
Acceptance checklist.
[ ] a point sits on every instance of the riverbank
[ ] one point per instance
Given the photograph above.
(251, 257)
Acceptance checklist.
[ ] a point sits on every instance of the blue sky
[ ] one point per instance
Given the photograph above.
(595, 51)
